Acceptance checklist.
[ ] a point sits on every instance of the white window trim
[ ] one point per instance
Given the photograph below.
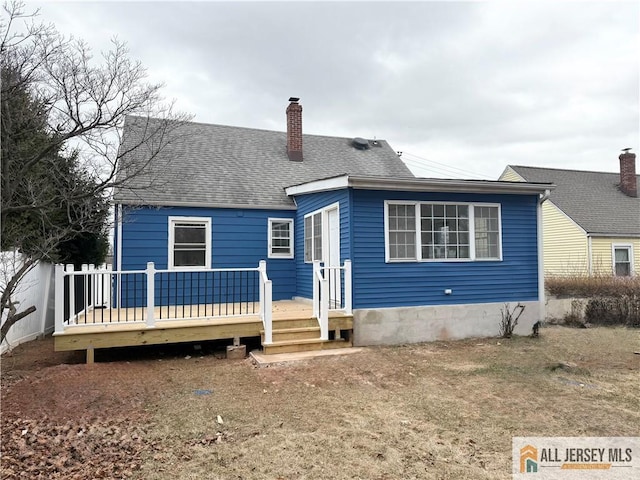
(472, 232)
(304, 251)
(325, 230)
(207, 222)
(628, 246)
(270, 253)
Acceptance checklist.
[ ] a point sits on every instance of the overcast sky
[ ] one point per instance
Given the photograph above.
(461, 88)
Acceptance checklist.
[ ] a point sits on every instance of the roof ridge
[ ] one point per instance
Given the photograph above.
(566, 169)
(253, 129)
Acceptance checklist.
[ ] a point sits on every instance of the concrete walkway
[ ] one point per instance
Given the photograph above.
(262, 359)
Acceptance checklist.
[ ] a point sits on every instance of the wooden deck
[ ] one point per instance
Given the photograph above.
(118, 333)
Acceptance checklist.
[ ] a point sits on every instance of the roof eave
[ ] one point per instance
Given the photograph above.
(247, 206)
(613, 235)
(420, 185)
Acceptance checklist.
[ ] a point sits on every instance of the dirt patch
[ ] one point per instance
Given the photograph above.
(445, 410)
(31, 357)
(70, 421)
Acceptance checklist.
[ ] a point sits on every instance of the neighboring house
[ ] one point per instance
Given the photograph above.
(431, 258)
(591, 221)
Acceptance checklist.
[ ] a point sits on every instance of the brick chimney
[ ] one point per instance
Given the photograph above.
(294, 130)
(628, 179)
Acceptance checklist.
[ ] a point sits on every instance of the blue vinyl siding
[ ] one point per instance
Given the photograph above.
(310, 203)
(380, 284)
(238, 240)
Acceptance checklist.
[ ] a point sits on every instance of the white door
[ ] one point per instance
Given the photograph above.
(333, 257)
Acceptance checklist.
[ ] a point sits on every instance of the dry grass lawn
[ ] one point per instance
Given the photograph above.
(444, 410)
(430, 411)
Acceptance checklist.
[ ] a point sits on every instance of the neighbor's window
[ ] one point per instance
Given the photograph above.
(280, 238)
(189, 242)
(622, 260)
(313, 237)
(442, 231)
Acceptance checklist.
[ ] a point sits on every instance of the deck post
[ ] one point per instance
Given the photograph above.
(268, 311)
(316, 289)
(90, 355)
(324, 309)
(151, 273)
(72, 293)
(266, 307)
(59, 298)
(348, 305)
(261, 269)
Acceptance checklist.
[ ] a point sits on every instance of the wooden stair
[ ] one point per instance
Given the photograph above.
(303, 335)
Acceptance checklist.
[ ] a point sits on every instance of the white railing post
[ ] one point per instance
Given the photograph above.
(268, 335)
(262, 268)
(266, 300)
(72, 293)
(324, 309)
(316, 289)
(59, 298)
(348, 305)
(151, 273)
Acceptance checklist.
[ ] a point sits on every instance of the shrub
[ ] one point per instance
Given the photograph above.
(614, 311)
(596, 285)
(611, 300)
(510, 319)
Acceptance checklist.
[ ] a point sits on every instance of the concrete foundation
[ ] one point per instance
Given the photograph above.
(236, 352)
(392, 326)
(557, 308)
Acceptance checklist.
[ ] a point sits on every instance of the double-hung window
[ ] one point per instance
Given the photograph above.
(438, 231)
(487, 231)
(622, 260)
(402, 231)
(313, 237)
(280, 238)
(189, 242)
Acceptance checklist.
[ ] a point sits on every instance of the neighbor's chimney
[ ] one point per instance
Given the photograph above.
(628, 179)
(294, 130)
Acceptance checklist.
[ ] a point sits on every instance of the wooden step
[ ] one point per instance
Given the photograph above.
(284, 334)
(281, 324)
(307, 345)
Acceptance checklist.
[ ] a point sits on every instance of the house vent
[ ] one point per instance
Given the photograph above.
(360, 143)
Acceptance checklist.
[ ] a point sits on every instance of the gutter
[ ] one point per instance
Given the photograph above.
(541, 295)
(420, 185)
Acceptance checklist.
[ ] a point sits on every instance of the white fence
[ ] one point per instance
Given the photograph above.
(37, 289)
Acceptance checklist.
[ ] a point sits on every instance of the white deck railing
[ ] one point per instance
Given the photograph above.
(100, 296)
(266, 310)
(332, 291)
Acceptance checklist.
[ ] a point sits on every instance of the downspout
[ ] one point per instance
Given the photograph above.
(541, 294)
(589, 254)
(118, 237)
(119, 220)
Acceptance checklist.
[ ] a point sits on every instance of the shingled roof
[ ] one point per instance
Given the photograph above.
(217, 165)
(591, 199)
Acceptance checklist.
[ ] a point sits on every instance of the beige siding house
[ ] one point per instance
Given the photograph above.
(591, 221)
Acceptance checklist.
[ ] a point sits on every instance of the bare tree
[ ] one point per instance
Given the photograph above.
(63, 149)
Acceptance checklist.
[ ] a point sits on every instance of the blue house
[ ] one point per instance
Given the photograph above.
(342, 219)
